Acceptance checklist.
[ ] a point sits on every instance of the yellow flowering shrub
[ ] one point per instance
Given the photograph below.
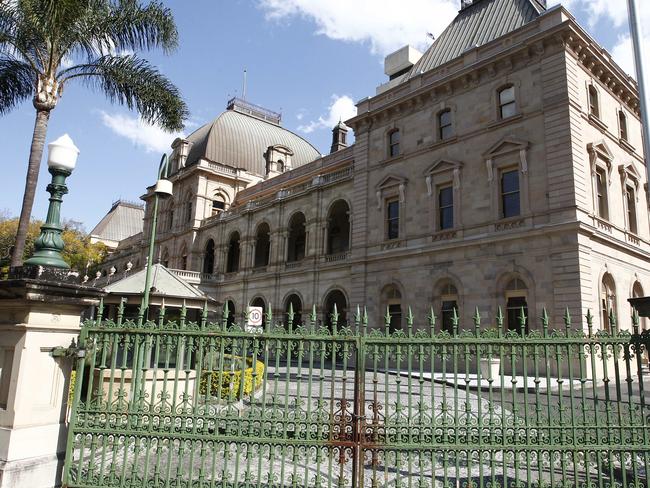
(231, 380)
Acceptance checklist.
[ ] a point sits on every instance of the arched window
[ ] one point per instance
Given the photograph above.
(594, 108)
(262, 245)
(507, 102)
(516, 295)
(637, 292)
(448, 304)
(208, 257)
(394, 139)
(184, 258)
(218, 204)
(259, 302)
(296, 303)
(338, 228)
(622, 125)
(297, 238)
(232, 264)
(392, 303)
(280, 166)
(607, 301)
(336, 297)
(445, 127)
(165, 258)
(189, 216)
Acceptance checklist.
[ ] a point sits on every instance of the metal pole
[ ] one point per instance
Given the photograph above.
(635, 35)
(162, 172)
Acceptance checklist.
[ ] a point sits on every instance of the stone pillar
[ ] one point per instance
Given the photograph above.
(35, 318)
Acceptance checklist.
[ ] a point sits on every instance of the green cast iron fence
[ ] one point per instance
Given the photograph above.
(182, 404)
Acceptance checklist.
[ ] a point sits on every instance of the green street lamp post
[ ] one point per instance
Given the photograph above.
(163, 189)
(62, 159)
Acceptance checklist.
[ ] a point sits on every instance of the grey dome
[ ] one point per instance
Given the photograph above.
(240, 140)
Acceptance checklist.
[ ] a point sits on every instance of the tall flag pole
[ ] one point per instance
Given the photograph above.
(637, 43)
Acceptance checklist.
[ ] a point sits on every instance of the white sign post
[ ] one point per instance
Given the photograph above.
(255, 319)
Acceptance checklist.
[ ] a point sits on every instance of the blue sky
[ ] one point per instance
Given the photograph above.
(309, 59)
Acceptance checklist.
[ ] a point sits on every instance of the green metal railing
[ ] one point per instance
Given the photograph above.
(182, 404)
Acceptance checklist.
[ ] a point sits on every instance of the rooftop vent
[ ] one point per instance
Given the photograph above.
(401, 61)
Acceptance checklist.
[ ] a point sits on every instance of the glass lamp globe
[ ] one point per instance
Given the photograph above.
(62, 154)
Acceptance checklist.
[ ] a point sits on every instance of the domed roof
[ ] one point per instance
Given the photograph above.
(240, 136)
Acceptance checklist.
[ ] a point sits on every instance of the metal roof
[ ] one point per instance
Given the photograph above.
(240, 140)
(123, 220)
(476, 25)
(164, 284)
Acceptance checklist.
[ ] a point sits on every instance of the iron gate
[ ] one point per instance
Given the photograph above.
(181, 404)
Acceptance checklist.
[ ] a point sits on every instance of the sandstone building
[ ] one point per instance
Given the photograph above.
(501, 168)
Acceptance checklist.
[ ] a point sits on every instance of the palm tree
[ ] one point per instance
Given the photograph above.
(45, 44)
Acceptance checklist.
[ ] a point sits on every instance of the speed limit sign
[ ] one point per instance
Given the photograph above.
(255, 316)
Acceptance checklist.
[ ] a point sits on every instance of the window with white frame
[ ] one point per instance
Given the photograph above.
(622, 125)
(594, 107)
(394, 139)
(601, 194)
(510, 193)
(630, 201)
(507, 102)
(445, 125)
(446, 207)
(607, 302)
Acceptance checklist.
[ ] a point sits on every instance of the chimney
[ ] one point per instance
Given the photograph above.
(339, 137)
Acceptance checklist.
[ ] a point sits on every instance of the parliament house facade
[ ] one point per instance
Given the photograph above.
(503, 168)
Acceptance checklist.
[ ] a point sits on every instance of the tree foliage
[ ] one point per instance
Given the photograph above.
(45, 44)
(79, 253)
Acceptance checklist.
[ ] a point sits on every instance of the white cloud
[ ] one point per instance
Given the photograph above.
(341, 108)
(141, 134)
(386, 25)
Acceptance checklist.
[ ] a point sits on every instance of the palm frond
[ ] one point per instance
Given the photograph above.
(16, 83)
(132, 26)
(135, 83)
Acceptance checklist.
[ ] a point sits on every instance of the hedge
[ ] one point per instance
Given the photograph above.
(225, 378)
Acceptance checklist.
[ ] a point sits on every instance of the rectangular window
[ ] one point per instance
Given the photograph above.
(392, 219)
(447, 315)
(510, 204)
(393, 145)
(446, 208)
(507, 105)
(631, 209)
(513, 317)
(601, 193)
(622, 122)
(446, 128)
(593, 102)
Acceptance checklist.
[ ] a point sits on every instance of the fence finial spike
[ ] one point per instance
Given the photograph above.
(590, 323)
(522, 321)
(387, 318)
(477, 318)
(499, 318)
(313, 317)
(365, 317)
(612, 321)
(409, 318)
(432, 318)
(567, 318)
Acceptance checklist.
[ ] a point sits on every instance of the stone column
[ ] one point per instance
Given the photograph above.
(36, 316)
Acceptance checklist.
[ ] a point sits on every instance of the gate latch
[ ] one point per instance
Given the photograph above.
(72, 351)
